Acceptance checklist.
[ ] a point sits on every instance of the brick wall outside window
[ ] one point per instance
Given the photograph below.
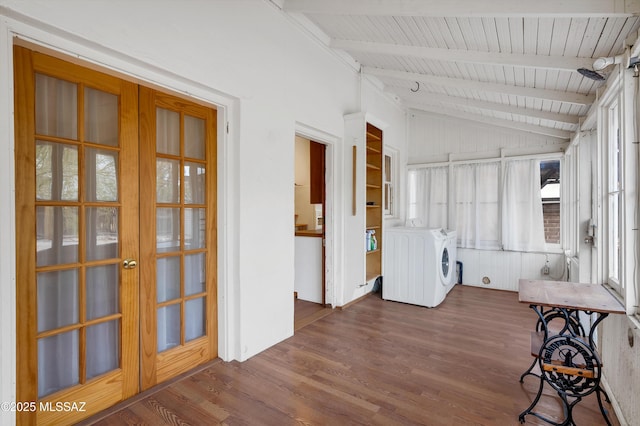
(551, 213)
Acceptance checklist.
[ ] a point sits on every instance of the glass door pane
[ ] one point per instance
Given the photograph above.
(180, 237)
(77, 224)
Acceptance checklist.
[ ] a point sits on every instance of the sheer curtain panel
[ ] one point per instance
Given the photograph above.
(428, 189)
(522, 220)
(476, 204)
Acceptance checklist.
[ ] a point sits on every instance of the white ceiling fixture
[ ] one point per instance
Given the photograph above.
(512, 62)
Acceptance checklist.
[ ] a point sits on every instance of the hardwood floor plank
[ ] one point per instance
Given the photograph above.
(376, 363)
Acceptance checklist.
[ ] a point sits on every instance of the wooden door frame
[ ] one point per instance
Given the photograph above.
(119, 384)
(196, 351)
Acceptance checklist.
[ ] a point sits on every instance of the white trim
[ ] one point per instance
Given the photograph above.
(7, 227)
(542, 156)
(460, 84)
(556, 63)
(394, 153)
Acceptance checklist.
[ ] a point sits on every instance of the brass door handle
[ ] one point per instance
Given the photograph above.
(129, 264)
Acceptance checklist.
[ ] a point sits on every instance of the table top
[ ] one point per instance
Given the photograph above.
(562, 294)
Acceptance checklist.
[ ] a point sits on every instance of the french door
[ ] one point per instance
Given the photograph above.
(115, 244)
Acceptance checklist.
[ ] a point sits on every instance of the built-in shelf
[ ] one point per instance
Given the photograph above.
(374, 195)
(373, 134)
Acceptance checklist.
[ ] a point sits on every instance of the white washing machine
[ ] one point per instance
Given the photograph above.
(419, 265)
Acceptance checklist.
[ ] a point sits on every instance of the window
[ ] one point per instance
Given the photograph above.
(550, 195)
(389, 178)
(518, 211)
(614, 198)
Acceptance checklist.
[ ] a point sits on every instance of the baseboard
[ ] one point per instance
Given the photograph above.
(614, 402)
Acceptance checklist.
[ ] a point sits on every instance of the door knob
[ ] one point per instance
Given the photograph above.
(129, 264)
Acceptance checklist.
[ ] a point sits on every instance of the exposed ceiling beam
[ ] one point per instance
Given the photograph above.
(551, 95)
(560, 134)
(557, 63)
(468, 8)
(436, 99)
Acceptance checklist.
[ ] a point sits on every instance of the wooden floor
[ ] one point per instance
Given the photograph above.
(308, 312)
(374, 363)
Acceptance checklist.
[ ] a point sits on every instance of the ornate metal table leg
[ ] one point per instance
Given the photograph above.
(572, 368)
(535, 401)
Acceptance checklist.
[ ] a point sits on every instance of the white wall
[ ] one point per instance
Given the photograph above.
(504, 268)
(437, 138)
(267, 76)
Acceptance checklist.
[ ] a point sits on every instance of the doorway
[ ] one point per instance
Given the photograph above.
(310, 212)
(116, 254)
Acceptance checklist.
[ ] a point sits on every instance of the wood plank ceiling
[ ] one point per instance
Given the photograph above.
(511, 63)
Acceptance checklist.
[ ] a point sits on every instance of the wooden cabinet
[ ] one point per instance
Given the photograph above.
(374, 202)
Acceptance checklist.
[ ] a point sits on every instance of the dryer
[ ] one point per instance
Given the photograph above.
(419, 265)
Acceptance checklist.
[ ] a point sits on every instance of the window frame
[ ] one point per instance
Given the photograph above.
(614, 190)
(390, 187)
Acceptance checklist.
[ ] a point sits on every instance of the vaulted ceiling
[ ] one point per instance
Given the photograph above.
(510, 63)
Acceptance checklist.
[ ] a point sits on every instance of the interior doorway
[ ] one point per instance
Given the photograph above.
(310, 212)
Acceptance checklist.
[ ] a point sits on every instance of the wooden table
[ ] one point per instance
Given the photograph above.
(567, 356)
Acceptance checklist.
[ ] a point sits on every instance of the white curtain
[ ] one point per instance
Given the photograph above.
(428, 197)
(522, 221)
(476, 205)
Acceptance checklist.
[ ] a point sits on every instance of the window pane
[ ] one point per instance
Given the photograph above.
(56, 171)
(614, 236)
(194, 228)
(102, 233)
(101, 169)
(167, 131)
(168, 327)
(194, 132)
(57, 299)
(58, 362)
(167, 181)
(194, 183)
(57, 235)
(102, 291)
(167, 278)
(550, 195)
(167, 230)
(101, 117)
(387, 168)
(194, 280)
(103, 348)
(56, 107)
(195, 319)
